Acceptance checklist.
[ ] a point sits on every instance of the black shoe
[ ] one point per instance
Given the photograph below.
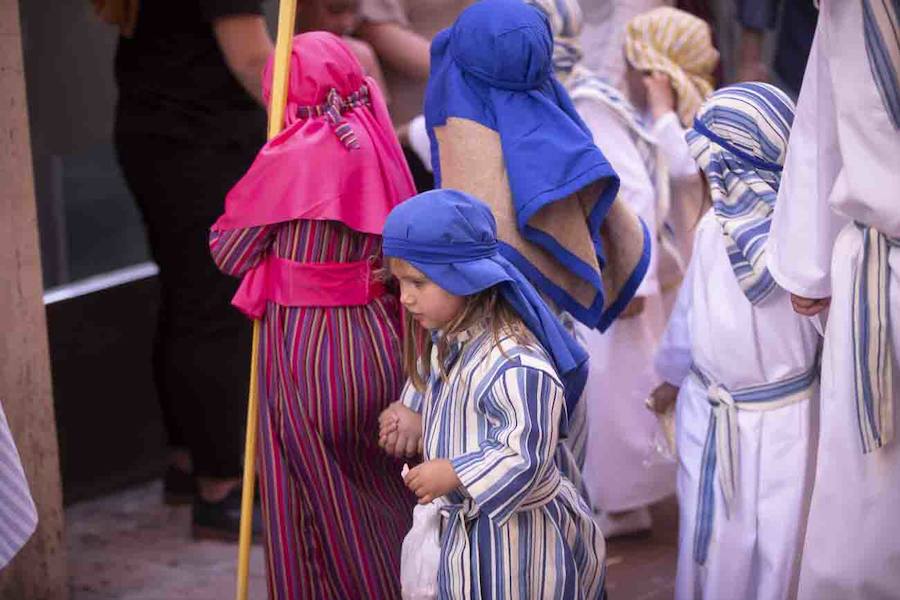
(222, 520)
(178, 487)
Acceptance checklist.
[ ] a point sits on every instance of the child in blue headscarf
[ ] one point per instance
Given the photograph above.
(494, 376)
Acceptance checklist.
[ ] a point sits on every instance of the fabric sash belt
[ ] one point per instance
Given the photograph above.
(456, 542)
(721, 447)
(291, 283)
(872, 350)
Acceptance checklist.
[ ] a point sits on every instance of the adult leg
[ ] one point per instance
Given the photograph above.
(201, 354)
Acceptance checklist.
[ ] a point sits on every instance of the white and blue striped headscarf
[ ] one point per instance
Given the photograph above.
(739, 140)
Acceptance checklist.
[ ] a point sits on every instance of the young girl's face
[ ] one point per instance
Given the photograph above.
(430, 305)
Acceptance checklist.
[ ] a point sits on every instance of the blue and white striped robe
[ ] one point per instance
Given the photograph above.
(516, 528)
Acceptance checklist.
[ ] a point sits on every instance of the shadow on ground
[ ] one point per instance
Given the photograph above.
(129, 546)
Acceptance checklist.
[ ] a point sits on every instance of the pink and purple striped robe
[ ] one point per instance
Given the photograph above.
(334, 505)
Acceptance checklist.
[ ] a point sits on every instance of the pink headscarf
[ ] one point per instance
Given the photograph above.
(318, 168)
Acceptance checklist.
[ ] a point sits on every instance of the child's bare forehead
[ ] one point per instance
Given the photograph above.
(401, 268)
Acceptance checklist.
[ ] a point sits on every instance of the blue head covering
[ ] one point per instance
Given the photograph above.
(494, 66)
(451, 237)
(739, 140)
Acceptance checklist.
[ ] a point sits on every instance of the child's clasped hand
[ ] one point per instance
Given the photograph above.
(432, 479)
(400, 431)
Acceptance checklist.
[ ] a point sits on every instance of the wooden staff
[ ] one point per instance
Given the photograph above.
(287, 15)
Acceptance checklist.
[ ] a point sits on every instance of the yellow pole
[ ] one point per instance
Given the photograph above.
(287, 15)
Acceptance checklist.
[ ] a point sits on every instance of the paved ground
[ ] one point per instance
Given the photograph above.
(643, 567)
(129, 546)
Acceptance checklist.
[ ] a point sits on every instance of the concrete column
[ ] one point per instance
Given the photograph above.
(39, 570)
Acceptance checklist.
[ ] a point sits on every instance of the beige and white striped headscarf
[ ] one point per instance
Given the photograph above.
(680, 45)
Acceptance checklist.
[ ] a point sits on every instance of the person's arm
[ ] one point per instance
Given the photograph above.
(400, 427)
(402, 49)
(369, 62)
(751, 66)
(245, 43)
(236, 251)
(755, 17)
(666, 126)
(804, 226)
(674, 147)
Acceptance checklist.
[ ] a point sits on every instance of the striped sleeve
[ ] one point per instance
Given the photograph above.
(235, 251)
(523, 406)
(411, 398)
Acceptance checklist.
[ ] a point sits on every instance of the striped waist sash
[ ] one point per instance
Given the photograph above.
(872, 351)
(720, 452)
(540, 495)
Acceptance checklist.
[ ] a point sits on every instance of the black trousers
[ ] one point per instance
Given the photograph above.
(201, 354)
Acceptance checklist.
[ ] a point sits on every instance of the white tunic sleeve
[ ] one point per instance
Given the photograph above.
(523, 406)
(419, 142)
(635, 186)
(804, 226)
(673, 355)
(669, 135)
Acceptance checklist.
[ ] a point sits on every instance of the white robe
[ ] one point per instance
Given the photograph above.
(683, 205)
(843, 164)
(622, 470)
(754, 550)
(670, 135)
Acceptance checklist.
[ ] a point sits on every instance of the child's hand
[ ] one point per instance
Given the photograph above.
(387, 422)
(400, 431)
(432, 479)
(662, 399)
(387, 430)
(809, 307)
